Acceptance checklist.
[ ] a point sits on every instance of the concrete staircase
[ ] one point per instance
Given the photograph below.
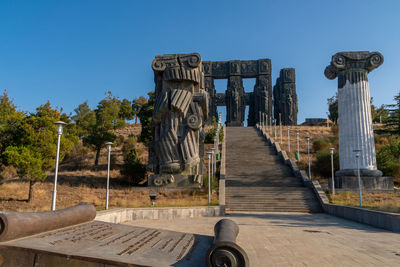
(257, 178)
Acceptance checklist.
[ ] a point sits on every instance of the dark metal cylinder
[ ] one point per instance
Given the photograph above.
(20, 224)
(224, 251)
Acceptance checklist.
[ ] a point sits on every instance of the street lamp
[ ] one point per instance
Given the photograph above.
(270, 125)
(288, 136)
(308, 152)
(108, 144)
(213, 163)
(333, 175)
(357, 153)
(327, 119)
(259, 117)
(59, 125)
(209, 176)
(298, 144)
(280, 126)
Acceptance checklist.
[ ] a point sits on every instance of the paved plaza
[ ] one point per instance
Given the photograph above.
(299, 239)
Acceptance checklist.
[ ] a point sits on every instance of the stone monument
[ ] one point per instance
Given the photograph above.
(235, 98)
(355, 122)
(285, 97)
(180, 109)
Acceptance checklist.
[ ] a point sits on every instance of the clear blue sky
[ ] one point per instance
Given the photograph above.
(71, 51)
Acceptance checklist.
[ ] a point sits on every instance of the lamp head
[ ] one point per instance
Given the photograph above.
(109, 144)
(59, 125)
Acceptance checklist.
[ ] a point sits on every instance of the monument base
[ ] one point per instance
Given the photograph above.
(368, 183)
(175, 180)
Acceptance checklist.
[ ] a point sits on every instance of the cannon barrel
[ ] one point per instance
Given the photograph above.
(19, 224)
(224, 250)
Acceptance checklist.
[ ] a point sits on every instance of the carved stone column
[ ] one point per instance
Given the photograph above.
(235, 98)
(180, 109)
(235, 106)
(212, 106)
(355, 122)
(285, 97)
(261, 96)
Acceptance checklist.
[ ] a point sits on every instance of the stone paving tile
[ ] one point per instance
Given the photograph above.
(299, 239)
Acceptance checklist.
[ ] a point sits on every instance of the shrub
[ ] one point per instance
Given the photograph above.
(388, 159)
(129, 144)
(119, 140)
(321, 144)
(7, 172)
(209, 138)
(322, 164)
(132, 169)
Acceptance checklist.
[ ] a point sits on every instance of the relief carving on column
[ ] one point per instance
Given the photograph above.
(235, 101)
(180, 110)
(285, 97)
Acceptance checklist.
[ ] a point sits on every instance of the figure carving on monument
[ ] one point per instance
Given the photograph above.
(235, 101)
(180, 110)
(285, 97)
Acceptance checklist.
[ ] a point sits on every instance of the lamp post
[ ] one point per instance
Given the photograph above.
(259, 117)
(108, 144)
(298, 144)
(280, 126)
(209, 176)
(213, 155)
(327, 119)
(357, 152)
(308, 152)
(265, 122)
(274, 128)
(332, 168)
(288, 136)
(270, 125)
(59, 125)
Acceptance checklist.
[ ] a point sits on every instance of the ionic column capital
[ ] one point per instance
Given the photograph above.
(353, 61)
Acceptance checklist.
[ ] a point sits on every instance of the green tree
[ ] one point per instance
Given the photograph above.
(388, 159)
(109, 116)
(84, 119)
(132, 169)
(146, 114)
(393, 120)
(137, 105)
(126, 110)
(333, 108)
(29, 164)
(382, 114)
(10, 124)
(33, 145)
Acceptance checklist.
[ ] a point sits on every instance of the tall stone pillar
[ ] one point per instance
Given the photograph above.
(285, 97)
(355, 122)
(235, 101)
(261, 97)
(212, 106)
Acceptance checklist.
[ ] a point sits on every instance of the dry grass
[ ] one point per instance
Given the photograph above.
(314, 132)
(67, 195)
(79, 181)
(378, 201)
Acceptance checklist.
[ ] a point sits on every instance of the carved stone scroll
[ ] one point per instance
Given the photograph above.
(181, 108)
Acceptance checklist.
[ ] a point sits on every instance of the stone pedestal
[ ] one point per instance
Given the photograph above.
(368, 183)
(355, 122)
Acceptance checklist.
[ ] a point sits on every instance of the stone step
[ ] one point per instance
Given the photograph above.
(257, 178)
